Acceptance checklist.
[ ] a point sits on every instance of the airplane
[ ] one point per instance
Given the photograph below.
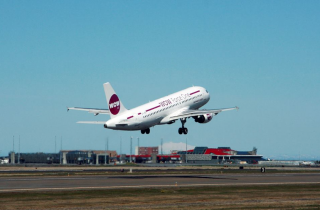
(177, 106)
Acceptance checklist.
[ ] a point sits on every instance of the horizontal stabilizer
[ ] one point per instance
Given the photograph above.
(92, 122)
(95, 111)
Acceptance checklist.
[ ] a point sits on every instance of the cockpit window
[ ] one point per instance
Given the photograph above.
(206, 91)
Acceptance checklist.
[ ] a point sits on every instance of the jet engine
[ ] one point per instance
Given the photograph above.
(203, 118)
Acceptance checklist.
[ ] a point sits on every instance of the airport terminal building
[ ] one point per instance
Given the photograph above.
(220, 155)
(64, 157)
(199, 155)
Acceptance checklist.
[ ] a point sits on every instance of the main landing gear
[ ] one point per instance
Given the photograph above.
(183, 130)
(147, 131)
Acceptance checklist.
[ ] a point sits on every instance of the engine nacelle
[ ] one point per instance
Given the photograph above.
(203, 118)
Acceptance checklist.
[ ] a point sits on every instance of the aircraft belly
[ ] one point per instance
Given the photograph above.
(131, 124)
(154, 122)
(128, 127)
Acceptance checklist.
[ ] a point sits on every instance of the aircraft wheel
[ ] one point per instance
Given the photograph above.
(148, 131)
(180, 131)
(143, 131)
(185, 130)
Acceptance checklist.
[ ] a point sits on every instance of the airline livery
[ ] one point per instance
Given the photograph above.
(178, 106)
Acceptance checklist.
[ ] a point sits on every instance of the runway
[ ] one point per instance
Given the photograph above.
(14, 184)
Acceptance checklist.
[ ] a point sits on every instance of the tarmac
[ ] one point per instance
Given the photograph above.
(85, 182)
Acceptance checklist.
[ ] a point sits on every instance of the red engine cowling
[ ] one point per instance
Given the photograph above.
(203, 118)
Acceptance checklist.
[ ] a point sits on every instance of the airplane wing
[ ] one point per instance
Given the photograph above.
(92, 122)
(90, 110)
(195, 112)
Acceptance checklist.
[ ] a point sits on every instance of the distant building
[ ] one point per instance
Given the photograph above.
(4, 160)
(220, 155)
(65, 157)
(146, 150)
(86, 156)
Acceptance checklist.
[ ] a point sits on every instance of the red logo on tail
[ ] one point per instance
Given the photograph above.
(114, 104)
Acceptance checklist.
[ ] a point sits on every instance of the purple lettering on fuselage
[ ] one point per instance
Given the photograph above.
(165, 103)
(180, 98)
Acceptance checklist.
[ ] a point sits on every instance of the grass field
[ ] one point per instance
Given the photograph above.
(227, 197)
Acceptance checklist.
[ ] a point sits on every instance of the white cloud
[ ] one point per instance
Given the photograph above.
(168, 146)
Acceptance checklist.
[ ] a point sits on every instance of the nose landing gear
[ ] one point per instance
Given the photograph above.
(183, 130)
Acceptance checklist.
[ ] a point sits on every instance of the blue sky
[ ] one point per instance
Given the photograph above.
(263, 56)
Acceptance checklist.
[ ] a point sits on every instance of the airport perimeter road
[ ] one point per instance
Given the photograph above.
(131, 181)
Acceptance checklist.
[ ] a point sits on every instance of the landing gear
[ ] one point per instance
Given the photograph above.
(147, 131)
(183, 130)
(180, 131)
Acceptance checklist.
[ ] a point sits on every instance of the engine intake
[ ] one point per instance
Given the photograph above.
(203, 118)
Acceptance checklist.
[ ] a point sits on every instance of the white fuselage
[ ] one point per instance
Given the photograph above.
(159, 111)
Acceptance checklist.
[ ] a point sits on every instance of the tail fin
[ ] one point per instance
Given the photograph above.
(115, 106)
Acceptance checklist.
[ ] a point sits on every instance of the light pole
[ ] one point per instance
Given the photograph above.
(19, 151)
(60, 153)
(13, 156)
(186, 150)
(55, 143)
(138, 146)
(120, 145)
(161, 145)
(131, 149)
(105, 152)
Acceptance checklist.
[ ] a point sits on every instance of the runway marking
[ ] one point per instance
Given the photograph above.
(20, 179)
(144, 186)
(36, 179)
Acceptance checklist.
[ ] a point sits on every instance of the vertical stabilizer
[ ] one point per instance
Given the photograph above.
(115, 106)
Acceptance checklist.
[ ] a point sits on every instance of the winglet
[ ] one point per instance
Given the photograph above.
(237, 108)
